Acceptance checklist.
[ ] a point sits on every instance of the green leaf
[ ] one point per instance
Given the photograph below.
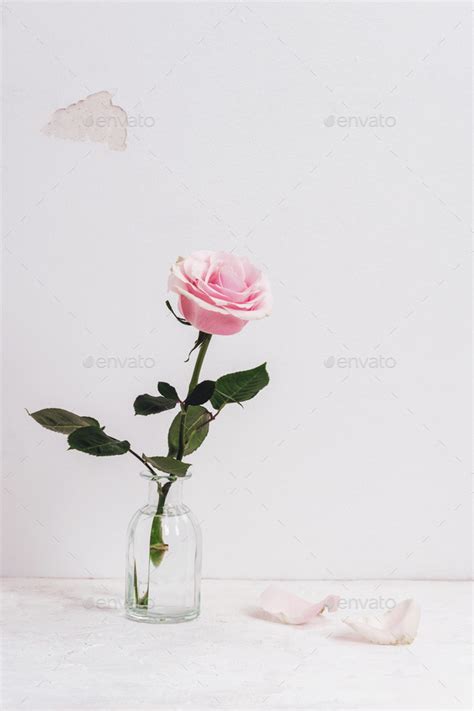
(168, 391)
(168, 465)
(93, 440)
(178, 318)
(63, 421)
(151, 405)
(240, 386)
(201, 393)
(195, 430)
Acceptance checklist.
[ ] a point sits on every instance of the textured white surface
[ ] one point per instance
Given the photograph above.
(364, 230)
(69, 647)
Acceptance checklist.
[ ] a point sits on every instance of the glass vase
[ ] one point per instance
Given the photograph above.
(163, 575)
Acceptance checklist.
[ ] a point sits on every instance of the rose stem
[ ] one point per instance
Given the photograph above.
(194, 381)
(163, 491)
(142, 461)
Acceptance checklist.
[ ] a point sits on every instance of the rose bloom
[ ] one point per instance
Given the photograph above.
(220, 293)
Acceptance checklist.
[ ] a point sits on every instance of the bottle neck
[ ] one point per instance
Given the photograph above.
(170, 496)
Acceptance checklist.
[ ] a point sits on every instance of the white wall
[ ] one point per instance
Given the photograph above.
(330, 472)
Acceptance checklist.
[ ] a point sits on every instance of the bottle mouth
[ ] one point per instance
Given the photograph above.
(164, 478)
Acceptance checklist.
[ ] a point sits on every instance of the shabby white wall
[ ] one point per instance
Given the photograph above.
(249, 133)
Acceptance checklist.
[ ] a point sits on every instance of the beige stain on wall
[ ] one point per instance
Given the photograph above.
(94, 118)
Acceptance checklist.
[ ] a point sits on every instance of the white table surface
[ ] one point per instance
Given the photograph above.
(66, 645)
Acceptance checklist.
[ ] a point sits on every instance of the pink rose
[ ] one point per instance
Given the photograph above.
(220, 292)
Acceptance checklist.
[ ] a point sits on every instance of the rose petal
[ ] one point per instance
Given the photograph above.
(397, 626)
(209, 321)
(291, 609)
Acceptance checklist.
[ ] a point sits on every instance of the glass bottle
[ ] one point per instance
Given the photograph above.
(163, 574)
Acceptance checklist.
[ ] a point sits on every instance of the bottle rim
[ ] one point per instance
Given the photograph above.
(164, 477)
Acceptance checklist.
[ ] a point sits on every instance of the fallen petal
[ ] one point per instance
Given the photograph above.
(291, 609)
(397, 626)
